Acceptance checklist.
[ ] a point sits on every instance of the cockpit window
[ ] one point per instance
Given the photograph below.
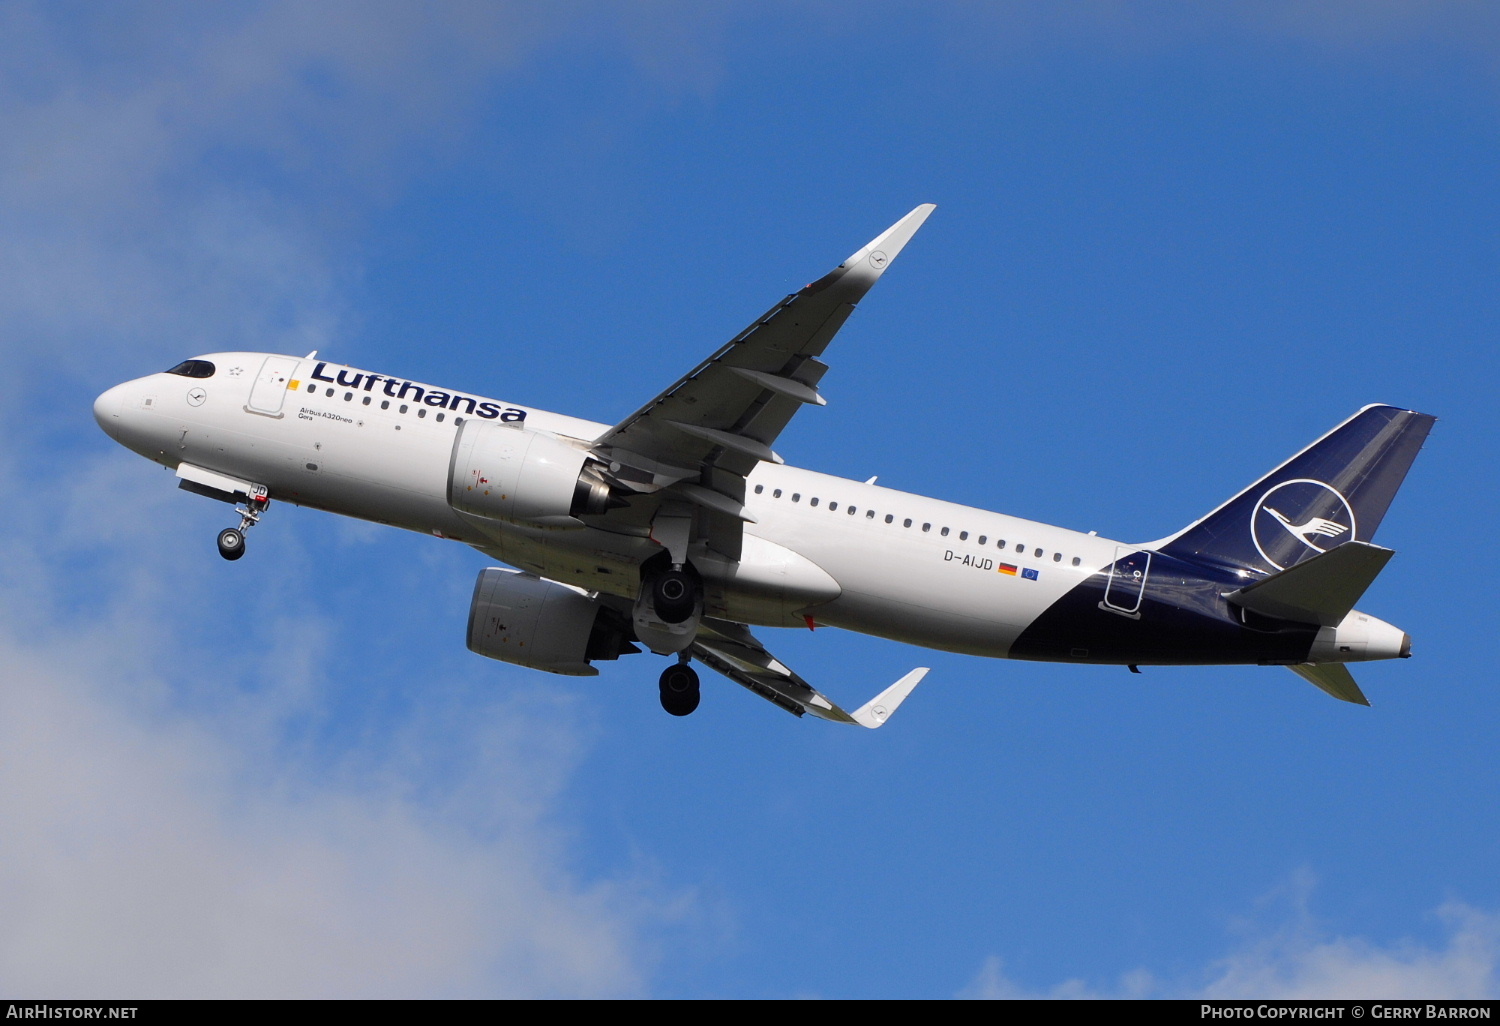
(194, 369)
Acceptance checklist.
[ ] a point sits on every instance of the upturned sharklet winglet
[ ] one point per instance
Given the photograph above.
(878, 710)
(865, 267)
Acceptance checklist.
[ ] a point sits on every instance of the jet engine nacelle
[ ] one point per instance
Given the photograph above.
(518, 618)
(511, 473)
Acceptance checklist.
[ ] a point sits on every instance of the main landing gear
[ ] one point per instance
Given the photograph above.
(672, 594)
(679, 689)
(232, 539)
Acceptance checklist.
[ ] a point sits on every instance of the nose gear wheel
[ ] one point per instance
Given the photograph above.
(231, 543)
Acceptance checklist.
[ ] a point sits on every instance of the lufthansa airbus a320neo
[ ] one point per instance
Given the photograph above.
(680, 529)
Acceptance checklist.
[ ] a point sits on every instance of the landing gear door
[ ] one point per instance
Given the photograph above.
(1127, 581)
(269, 390)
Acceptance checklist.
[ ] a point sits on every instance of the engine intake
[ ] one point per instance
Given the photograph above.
(519, 618)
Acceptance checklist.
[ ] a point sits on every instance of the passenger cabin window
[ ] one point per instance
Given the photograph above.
(833, 507)
(906, 522)
(963, 535)
(797, 497)
(981, 539)
(813, 501)
(1000, 544)
(759, 489)
(385, 404)
(1037, 553)
(403, 408)
(439, 418)
(1057, 557)
(926, 527)
(365, 401)
(194, 369)
(311, 387)
(1020, 546)
(944, 532)
(776, 494)
(348, 396)
(330, 393)
(421, 412)
(1076, 560)
(889, 518)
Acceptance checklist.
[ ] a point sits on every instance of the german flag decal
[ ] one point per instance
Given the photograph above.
(1008, 568)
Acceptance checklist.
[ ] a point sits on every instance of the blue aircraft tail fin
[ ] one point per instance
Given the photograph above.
(1336, 490)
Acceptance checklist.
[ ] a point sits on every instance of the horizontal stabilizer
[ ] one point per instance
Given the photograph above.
(1333, 678)
(1319, 590)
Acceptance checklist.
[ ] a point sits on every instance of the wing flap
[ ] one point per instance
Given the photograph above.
(733, 651)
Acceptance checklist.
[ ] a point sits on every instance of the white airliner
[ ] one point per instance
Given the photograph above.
(680, 529)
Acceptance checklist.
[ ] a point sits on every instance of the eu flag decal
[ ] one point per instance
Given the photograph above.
(1029, 574)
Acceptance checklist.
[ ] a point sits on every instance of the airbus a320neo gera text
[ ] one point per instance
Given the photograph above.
(679, 529)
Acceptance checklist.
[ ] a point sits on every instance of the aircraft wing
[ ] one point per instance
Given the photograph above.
(696, 441)
(731, 649)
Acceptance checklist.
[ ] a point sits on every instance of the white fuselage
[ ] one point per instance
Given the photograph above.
(850, 554)
(818, 549)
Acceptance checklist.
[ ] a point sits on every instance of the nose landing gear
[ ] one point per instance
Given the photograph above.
(232, 539)
(679, 689)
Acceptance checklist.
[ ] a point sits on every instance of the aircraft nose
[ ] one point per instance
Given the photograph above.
(107, 410)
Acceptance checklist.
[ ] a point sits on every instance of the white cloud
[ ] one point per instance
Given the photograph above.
(177, 178)
(150, 856)
(1299, 959)
(992, 984)
(1301, 962)
(169, 832)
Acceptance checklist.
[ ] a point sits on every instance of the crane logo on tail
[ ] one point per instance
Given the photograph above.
(1299, 517)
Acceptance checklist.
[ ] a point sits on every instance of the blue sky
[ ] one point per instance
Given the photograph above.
(1173, 245)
